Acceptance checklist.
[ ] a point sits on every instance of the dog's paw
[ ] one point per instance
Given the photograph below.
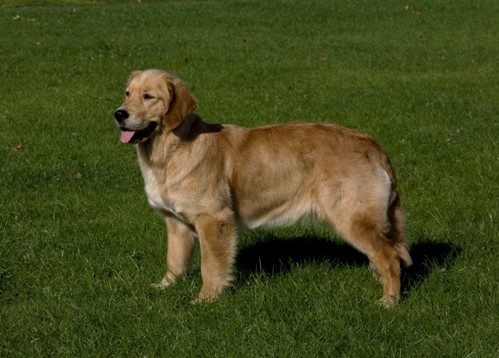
(197, 301)
(159, 286)
(387, 301)
(165, 282)
(200, 301)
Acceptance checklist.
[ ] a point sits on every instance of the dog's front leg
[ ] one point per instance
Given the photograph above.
(217, 236)
(181, 242)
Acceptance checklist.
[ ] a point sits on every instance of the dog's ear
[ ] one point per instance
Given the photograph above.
(182, 103)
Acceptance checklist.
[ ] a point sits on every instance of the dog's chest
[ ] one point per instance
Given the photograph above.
(158, 197)
(155, 199)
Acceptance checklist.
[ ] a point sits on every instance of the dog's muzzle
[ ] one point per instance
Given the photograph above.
(130, 135)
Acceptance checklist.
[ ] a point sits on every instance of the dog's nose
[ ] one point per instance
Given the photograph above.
(120, 115)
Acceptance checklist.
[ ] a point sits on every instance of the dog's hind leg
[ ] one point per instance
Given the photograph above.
(368, 235)
(181, 242)
(374, 224)
(217, 237)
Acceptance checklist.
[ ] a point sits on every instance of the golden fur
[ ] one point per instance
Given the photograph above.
(208, 181)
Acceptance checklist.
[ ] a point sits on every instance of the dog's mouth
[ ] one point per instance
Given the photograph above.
(132, 137)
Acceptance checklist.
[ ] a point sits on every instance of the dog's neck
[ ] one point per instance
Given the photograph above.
(166, 135)
(187, 128)
(159, 148)
(193, 126)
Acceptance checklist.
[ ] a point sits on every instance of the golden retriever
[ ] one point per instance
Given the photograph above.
(209, 180)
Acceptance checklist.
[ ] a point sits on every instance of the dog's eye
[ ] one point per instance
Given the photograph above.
(147, 96)
(127, 93)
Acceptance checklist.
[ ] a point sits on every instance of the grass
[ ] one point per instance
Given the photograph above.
(80, 246)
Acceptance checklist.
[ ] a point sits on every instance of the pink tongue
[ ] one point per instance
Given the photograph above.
(126, 136)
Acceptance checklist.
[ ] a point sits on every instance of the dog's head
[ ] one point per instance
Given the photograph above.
(154, 101)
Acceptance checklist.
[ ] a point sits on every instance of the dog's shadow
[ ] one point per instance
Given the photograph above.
(274, 256)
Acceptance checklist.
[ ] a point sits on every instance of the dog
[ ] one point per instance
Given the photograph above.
(209, 180)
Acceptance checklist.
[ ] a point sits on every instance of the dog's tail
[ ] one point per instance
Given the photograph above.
(397, 234)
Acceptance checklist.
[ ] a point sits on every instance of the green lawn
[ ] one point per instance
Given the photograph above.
(80, 246)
